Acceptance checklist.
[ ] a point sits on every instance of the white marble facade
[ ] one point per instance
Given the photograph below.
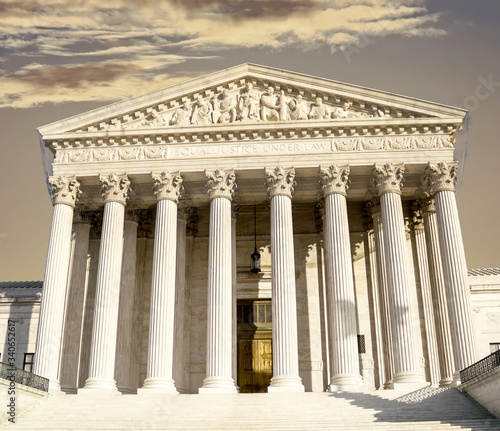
(357, 226)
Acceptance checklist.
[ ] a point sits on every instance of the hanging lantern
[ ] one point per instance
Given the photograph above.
(255, 256)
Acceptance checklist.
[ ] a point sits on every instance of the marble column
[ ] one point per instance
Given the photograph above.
(65, 191)
(280, 185)
(115, 189)
(387, 180)
(417, 223)
(234, 218)
(89, 303)
(221, 185)
(167, 187)
(341, 299)
(441, 178)
(181, 309)
(125, 314)
(376, 297)
(378, 233)
(75, 304)
(445, 344)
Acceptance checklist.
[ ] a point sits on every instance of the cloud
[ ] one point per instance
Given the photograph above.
(76, 46)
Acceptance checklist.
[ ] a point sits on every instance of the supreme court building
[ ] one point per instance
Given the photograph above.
(160, 201)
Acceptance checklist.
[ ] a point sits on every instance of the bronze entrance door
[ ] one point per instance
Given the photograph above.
(255, 355)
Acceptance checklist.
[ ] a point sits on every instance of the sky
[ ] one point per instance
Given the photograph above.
(59, 58)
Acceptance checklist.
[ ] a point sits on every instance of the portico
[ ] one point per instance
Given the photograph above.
(342, 201)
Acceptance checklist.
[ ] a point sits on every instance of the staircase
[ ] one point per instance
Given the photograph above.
(425, 409)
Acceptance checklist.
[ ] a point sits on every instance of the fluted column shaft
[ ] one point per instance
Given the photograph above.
(378, 232)
(425, 289)
(125, 315)
(167, 187)
(234, 276)
(74, 315)
(340, 281)
(181, 309)
(65, 192)
(445, 344)
(220, 187)
(441, 178)
(388, 180)
(105, 325)
(285, 339)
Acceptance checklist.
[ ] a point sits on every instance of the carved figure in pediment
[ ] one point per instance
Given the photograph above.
(224, 108)
(319, 111)
(202, 113)
(381, 114)
(341, 112)
(182, 116)
(298, 108)
(248, 103)
(269, 109)
(157, 119)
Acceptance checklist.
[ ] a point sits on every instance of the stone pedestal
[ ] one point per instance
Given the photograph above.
(441, 178)
(341, 299)
(167, 187)
(285, 343)
(65, 192)
(220, 186)
(115, 189)
(387, 180)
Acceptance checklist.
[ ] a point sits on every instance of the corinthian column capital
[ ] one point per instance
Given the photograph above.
(115, 188)
(428, 205)
(334, 179)
(220, 183)
(280, 181)
(64, 190)
(388, 178)
(441, 176)
(416, 216)
(167, 185)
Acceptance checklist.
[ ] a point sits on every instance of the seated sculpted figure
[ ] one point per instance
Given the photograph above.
(224, 108)
(319, 111)
(298, 108)
(182, 116)
(269, 110)
(202, 113)
(248, 103)
(341, 112)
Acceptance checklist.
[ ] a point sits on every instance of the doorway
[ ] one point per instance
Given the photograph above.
(255, 355)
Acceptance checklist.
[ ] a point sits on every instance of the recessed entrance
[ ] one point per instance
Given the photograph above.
(255, 355)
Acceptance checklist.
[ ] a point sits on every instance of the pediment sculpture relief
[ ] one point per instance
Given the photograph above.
(246, 104)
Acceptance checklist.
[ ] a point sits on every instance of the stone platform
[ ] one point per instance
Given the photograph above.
(425, 409)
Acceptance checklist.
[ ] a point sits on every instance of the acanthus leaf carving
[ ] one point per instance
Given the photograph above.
(115, 188)
(167, 185)
(334, 179)
(280, 181)
(441, 176)
(220, 183)
(388, 178)
(64, 190)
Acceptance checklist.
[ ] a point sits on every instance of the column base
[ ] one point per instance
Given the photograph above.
(218, 385)
(158, 384)
(446, 383)
(98, 384)
(286, 384)
(55, 387)
(347, 383)
(409, 381)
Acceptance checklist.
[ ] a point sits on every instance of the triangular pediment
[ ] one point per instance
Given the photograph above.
(253, 95)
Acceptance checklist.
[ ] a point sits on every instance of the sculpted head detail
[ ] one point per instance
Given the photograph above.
(270, 90)
(319, 101)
